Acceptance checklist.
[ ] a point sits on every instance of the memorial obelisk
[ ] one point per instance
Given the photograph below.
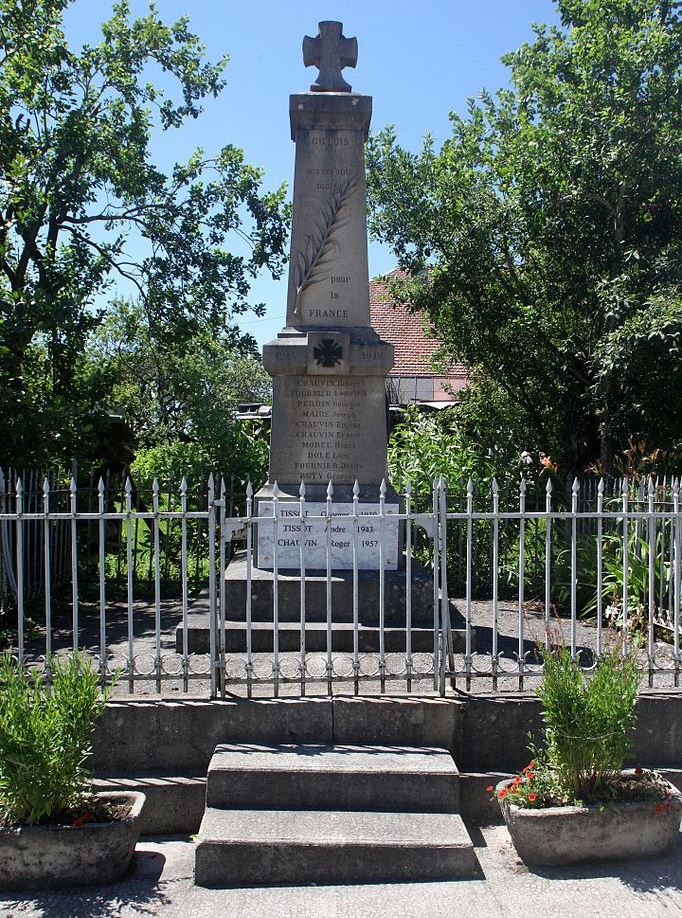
(329, 418)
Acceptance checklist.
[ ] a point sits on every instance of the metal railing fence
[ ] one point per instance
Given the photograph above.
(324, 596)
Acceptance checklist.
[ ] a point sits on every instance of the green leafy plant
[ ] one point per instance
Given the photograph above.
(45, 732)
(588, 719)
(612, 566)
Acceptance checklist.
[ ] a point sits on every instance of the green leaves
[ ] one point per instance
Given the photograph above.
(545, 198)
(588, 719)
(45, 736)
(83, 206)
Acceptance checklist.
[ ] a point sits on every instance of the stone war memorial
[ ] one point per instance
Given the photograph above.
(329, 411)
(328, 365)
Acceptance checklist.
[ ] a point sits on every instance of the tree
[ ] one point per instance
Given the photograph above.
(181, 402)
(82, 204)
(544, 238)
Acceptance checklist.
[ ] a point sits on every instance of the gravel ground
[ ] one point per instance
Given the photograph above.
(144, 618)
(161, 884)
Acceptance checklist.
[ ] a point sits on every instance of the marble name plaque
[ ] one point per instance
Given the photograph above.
(316, 535)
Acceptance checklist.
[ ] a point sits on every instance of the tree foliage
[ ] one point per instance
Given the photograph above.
(180, 401)
(83, 205)
(550, 225)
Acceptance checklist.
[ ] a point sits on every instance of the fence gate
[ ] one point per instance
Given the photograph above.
(315, 626)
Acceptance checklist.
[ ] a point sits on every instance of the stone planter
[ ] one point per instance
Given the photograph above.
(555, 836)
(97, 852)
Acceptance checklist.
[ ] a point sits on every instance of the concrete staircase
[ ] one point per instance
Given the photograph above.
(296, 814)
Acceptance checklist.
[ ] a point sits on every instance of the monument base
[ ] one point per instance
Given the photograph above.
(289, 611)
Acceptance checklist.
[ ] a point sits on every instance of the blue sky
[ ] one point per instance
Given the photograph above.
(419, 61)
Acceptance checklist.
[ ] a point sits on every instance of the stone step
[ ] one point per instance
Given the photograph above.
(317, 777)
(175, 802)
(267, 847)
(342, 591)
(198, 637)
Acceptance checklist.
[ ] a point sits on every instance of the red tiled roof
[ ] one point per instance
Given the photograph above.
(406, 332)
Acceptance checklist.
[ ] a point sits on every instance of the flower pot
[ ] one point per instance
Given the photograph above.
(551, 836)
(97, 852)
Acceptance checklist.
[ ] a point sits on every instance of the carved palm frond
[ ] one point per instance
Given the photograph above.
(321, 248)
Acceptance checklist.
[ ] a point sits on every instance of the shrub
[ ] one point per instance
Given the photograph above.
(588, 720)
(45, 735)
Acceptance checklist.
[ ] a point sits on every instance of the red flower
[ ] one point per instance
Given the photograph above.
(668, 805)
(639, 771)
(517, 781)
(490, 789)
(502, 794)
(658, 808)
(532, 797)
(77, 823)
(530, 775)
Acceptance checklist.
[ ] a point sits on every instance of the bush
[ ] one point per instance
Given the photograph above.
(45, 735)
(588, 720)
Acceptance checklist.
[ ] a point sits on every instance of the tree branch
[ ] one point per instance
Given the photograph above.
(116, 265)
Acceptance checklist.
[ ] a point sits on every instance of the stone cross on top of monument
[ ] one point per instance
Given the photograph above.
(330, 52)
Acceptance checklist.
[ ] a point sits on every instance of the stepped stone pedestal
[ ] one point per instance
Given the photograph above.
(289, 612)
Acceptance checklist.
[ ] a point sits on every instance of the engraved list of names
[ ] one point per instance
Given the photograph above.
(328, 425)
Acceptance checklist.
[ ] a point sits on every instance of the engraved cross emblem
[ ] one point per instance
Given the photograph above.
(327, 353)
(330, 52)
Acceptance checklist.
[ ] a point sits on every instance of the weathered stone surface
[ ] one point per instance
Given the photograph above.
(289, 595)
(181, 735)
(328, 276)
(97, 852)
(328, 365)
(289, 638)
(174, 804)
(247, 848)
(343, 777)
(328, 428)
(577, 835)
(330, 52)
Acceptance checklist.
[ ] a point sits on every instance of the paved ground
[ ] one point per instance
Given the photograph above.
(144, 621)
(161, 884)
